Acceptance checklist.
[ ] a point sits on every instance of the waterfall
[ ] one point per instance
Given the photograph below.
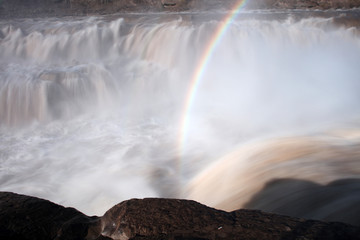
(90, 107)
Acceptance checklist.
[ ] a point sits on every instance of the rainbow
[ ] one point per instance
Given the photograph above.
(199, 72)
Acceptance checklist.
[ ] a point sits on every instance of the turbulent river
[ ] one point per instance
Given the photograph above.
(96, 110)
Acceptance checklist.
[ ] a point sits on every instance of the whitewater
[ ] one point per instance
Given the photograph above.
(91, 111)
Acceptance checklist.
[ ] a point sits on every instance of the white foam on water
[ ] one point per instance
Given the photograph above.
(90, 108)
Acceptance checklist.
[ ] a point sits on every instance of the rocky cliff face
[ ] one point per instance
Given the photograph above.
(30, 218)
(322, 4)
(40, 8)
(304, 4)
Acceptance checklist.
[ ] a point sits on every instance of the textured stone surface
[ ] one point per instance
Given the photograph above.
(29, 218)
(24, 217)
(41, 8)
(182, 219)
(301, 4)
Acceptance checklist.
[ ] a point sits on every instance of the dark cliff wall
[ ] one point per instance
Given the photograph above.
(301, 4)
(39, 8)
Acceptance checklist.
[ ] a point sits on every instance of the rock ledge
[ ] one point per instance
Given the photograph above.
(29, 218)
(59, 8)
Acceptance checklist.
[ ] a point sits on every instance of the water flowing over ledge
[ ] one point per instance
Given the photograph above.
(91, 110)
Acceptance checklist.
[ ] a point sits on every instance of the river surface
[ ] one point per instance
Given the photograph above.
(96, 110)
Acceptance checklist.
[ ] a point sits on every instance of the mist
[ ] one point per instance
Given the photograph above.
(91, 107)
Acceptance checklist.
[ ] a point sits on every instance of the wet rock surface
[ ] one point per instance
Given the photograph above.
(306, 4)
(27, 218)
(337, 201)
(57, 8)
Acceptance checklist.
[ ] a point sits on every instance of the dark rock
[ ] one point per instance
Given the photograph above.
(305, 4)
(29, 218)
(336, 201)
(44, 8)
(174, 3)
(168, 218)
(183, 219)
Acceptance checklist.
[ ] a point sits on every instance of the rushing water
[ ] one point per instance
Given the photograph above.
(91, 108)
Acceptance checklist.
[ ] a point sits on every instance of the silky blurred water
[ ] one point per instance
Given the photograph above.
(91, 108)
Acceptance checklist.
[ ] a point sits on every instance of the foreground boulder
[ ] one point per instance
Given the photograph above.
(183, 219)
(29, 218)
